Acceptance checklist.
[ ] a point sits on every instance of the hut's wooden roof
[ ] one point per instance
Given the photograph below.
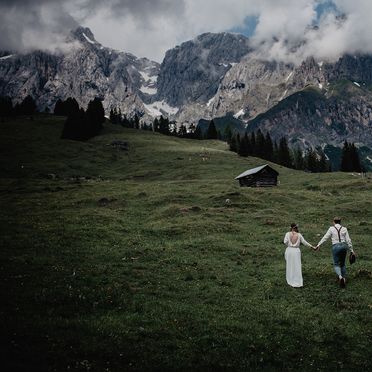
(256, 170)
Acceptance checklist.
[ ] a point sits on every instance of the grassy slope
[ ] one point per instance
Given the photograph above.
(144, 282)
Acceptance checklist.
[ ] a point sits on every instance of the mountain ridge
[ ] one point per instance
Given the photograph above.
(213, 75)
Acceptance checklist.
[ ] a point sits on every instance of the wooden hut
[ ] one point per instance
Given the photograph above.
(262, 176)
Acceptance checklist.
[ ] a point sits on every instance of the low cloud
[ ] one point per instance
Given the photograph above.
(287, 30)
(293, 31)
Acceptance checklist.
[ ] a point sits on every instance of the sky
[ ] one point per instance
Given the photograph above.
(286, 30)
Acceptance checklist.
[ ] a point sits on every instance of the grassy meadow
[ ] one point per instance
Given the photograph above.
(133, 261)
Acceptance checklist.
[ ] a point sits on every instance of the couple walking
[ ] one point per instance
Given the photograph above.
(341, 242)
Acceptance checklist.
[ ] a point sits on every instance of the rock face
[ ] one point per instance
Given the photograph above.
(312, 117)
(192, 72)
(87, 71)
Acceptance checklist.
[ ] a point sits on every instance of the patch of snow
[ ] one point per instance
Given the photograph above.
(288, 77)
(357, 84)
(88, 40)
(6, 57)
(148, 78)
(223, 64)
(368, 158)
(233, 64)
(283, 95)
(159, 108)
(148, 90)
(320, 64)
(210, 101)
(320, 86)
(239, 114)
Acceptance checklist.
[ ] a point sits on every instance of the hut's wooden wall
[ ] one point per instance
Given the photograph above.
(259, 180)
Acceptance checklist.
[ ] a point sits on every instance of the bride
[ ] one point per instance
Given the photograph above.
(292, 240)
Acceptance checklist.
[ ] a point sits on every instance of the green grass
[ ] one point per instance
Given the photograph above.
(162, 274)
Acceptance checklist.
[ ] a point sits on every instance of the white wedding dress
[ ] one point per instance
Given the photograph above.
(293, 258)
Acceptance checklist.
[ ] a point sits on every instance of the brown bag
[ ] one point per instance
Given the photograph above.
(352, 258)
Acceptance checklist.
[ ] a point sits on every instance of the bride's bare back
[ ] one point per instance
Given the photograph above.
(294, 237)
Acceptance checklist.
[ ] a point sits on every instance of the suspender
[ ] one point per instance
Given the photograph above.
(338, 232)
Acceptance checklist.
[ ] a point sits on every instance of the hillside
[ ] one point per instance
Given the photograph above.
(116, 260)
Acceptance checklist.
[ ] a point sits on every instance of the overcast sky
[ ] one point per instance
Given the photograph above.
(147, 28)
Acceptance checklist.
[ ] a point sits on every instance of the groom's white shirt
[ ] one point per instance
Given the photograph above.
(333, 234)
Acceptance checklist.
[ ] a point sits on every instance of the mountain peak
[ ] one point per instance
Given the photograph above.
(84, 34)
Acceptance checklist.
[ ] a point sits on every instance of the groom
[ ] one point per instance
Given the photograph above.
(340, 243)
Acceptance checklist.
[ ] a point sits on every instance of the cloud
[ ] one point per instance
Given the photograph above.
(30, 25)
(151, 28)
(292, 31)
(286, 30)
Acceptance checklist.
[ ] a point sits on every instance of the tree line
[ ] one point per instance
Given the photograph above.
(26, 107)
(249, 144)
(82, 125)
(261, 145)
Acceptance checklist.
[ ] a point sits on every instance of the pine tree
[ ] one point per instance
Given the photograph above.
(212, 131)
(27, 106)
(298, 159)
(260, 145)
(119, 116)
(243, 149)
(125, 122)
(58, 108)
(136, 121)
(198, 134)
(65, 108)
(191, 130)
(95, 117)
(156, 125)
(284, 154)
(76, 126)
(112, 116)
(323, 163)
(182, 131)
(346, 158)
(69, 106)
(355, 160)
(253, 144)
(227, 134)
(311, 161)
(164, 125)
(233, 145)
(6, 106)
(275, 152)
(268, 146)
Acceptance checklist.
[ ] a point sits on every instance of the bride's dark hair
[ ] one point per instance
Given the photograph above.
(294, 227)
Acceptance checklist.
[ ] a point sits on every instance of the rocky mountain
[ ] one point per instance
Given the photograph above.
(311, 117)
(86, 71)
(191, 73)
(213, 75)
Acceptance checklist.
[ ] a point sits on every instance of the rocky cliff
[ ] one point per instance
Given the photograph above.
(88, 70)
